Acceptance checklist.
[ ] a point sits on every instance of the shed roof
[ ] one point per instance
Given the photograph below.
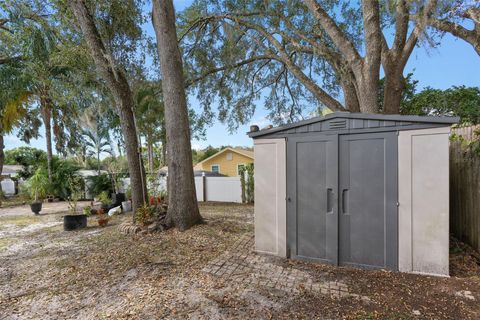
(345, 122)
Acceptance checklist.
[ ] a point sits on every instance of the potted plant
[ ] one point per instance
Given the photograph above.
(74, 221)
(38, 184)
(105, 200)
(102, 218)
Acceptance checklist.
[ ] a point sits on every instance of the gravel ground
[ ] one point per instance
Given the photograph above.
(99, 273)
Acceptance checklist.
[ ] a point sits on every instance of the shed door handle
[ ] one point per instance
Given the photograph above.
(329, 200)
(344, 200)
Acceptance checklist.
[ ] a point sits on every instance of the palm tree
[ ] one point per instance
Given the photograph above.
(14, 106)
(149, 111)
(95, 135)
(44, 61)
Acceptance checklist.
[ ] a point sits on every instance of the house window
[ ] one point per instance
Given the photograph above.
(239, 168)
(216, 168)
(229, 156)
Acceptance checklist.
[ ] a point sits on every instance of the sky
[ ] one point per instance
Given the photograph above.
(453, 63)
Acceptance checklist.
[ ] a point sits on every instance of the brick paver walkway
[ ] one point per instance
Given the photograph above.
(241, 264)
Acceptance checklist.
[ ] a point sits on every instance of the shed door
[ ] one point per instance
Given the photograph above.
(312, 177)
(367, 200)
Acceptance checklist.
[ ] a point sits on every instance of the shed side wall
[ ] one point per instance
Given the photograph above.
(270, 193)
(423, 172)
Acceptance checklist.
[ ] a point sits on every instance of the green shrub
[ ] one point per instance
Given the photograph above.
(144, 214)
(38, 185)
(246, 182)
(63, 170)
(87, 211)
(101, 183)
(104, 198)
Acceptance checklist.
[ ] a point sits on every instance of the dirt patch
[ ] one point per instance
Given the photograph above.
(464, 261)
(95, 273)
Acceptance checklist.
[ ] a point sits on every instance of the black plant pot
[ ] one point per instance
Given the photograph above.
(36, 207)
(105, 207)
(117, 199)
(74, 222)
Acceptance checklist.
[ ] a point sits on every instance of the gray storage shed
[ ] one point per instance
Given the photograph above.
(355, 189)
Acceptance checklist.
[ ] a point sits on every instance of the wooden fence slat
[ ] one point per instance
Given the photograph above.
(465, 189)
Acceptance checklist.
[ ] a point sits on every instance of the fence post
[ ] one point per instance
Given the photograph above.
(204, 187)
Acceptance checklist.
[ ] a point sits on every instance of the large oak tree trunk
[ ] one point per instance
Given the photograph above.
(351, 98)
(183, 209)
(393, 90)
(118, 85)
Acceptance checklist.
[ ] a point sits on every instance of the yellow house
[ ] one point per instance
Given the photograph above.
(227, 161)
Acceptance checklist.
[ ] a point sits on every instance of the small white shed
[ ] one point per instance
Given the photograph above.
(362, 190)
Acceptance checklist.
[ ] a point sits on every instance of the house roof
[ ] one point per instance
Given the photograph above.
(347, 121)
(246, 153)
(11, 169)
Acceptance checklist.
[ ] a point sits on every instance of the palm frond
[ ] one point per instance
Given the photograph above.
(14, 111)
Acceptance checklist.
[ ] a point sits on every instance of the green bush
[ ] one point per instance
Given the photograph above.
(38, 185)
(63, 170)
(100, 183)
(104, 198)
(29, 158)
(144, 215)
(246, 182)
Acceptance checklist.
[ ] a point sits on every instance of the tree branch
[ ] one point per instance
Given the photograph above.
(470, 36)
(336, 34)
(5, 60)
(418, 30)
(318, 92)
(282, 56)
(226, 67)
(401, 26)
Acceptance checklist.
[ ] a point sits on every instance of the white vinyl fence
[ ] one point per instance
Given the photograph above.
(222, 189)
(8, 187)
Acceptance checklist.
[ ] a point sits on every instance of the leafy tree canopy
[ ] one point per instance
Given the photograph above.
(460, 101)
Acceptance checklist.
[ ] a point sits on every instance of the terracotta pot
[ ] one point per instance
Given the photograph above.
(102, 222)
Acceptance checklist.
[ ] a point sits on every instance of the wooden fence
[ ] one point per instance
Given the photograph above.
(465, 188)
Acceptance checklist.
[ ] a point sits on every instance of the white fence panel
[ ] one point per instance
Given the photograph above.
(8, 187)
(124, 184)
(222, 189)
(225, 189)
(199, 188)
